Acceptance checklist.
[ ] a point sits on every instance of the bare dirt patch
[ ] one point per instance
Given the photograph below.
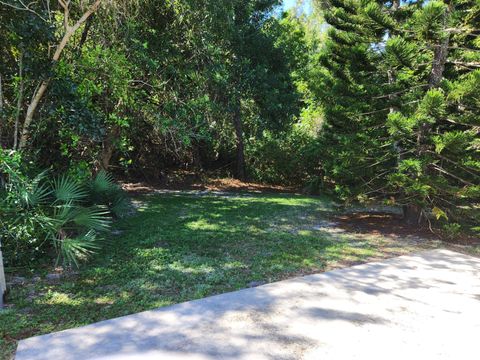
(392, 225)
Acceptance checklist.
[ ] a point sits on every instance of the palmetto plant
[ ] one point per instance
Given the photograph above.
(103, 189)
(75, 224)
(61, 214)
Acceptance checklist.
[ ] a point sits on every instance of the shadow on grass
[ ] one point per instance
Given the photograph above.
(179, 248)
(264, 320)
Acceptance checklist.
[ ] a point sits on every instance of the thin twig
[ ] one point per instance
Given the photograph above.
(24, 8)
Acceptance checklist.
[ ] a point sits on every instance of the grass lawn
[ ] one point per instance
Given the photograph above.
(181, 247)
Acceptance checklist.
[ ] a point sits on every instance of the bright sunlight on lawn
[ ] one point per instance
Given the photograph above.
(180, 247)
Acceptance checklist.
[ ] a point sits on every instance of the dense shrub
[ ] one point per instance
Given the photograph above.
(288, 159)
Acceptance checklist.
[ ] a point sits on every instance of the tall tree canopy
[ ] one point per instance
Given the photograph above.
(151, 83)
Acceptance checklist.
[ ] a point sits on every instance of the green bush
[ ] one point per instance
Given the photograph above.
(289, 160)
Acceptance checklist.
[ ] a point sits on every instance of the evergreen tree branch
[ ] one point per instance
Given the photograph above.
(469, 170)
(399, 92)
(442, 170)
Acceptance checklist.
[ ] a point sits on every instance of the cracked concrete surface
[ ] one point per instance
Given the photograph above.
(423, 306)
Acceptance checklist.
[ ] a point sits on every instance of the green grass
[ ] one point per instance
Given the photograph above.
(184, 247)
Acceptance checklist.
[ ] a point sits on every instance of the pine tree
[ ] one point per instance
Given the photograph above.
(407, 109)
(351, 92)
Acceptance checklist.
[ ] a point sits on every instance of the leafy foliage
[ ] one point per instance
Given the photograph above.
(151, 85)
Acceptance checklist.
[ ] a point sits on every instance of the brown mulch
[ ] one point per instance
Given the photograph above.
(229, 184)
(204, 183)
(393, 225)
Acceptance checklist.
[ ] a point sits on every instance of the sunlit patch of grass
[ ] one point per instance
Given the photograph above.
(58, 298)
(202, 224)
(183, 247)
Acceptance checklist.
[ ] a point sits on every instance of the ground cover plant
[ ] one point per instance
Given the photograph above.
(180, 247)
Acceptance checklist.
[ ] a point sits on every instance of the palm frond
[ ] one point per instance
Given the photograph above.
(103, 183)
(121, 205)
(93, 217)
(105, 191)
(78, 248)
(31, 193)
(69, 217)
(67, 190)
(35, 196)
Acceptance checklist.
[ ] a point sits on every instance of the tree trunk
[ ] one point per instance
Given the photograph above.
(1, 93)
(440, 55)
(3, 285)
(197, 160)
(241, 173)
(108, 147)
(19, 103)
(1, 109)
(397, 146)
(439, 60)
(395, 5)
(86, 29)
(412, 214)
(37, 96)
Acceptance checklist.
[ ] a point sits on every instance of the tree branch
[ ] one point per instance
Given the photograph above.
(86, 15)
(466, 169)
(43, 86)
(23, 8)
(66, 13)
(442, 170)
(399, 92)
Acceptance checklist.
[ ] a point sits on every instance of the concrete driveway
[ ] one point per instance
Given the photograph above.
(424, 306)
